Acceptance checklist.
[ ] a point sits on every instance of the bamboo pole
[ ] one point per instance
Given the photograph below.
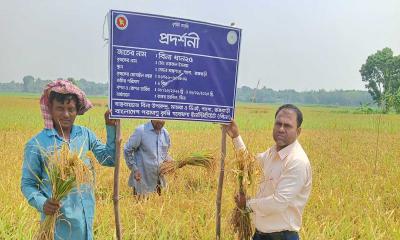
(220, 184)
(116, 179)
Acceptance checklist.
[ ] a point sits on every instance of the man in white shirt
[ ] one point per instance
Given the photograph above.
(286, 183)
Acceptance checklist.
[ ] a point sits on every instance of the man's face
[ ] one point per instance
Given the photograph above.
(285, 128)
(158, 124)
(63, 114)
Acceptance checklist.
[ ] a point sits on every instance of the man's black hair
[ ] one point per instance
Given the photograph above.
(295, 109)
(62, 98)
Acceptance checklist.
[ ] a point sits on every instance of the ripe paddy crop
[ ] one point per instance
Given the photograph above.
(355, 195)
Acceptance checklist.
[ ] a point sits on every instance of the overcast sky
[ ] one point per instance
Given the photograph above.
(296, 44)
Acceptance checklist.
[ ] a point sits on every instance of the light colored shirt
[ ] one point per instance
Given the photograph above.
(284, 189)
(144, 152)
(77, 208)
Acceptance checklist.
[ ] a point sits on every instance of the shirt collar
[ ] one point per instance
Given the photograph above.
(283, 153)
(75, 131)
(149, 126)
(53, 132)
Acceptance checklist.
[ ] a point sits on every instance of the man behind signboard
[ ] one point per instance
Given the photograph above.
(146, 149)
(60, 103)
(286, 184)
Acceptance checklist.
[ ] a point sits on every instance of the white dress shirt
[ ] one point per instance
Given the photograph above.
(284, 188)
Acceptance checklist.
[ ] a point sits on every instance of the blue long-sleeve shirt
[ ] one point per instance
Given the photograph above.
(144, 152)
(77, 209)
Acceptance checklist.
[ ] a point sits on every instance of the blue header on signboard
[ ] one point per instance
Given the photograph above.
(164, 67)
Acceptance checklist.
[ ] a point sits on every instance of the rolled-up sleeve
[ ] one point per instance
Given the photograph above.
(31, 177)
(238, 143)
(105, 153)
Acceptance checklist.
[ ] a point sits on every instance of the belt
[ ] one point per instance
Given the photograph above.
(278, 235)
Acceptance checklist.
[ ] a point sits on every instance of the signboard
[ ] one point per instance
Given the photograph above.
(171, 68)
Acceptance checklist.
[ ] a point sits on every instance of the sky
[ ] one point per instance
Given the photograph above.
(286, 44)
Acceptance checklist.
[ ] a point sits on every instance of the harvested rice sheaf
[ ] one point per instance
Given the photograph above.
(200, 159)
(66, 171)
(240, 218)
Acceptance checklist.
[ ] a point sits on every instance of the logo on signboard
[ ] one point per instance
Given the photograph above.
(232, 37)
(121, 22)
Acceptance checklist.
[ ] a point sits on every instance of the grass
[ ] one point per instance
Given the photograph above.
(349, 200)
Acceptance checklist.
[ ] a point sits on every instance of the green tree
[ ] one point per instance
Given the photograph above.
(394, 100)
(72, 80)
(382, 74)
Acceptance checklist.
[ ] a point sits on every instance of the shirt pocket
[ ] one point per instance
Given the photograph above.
(164, 152)
(164, 146)
(70, 208)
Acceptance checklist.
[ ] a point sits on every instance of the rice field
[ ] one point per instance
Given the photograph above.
(356, 172)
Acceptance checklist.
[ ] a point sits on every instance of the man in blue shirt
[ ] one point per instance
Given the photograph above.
(144, 152)
(60, 104)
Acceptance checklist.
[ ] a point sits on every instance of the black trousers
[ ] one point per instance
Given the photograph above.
(284, 235)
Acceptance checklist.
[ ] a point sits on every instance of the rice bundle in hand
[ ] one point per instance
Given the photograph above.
(241, 223)
(66, 171)
(240, 217)
(200, 159)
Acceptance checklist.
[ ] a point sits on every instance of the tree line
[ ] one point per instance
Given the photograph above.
(381, 72)
(243, 94)
(31, 85)
(321, 97)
